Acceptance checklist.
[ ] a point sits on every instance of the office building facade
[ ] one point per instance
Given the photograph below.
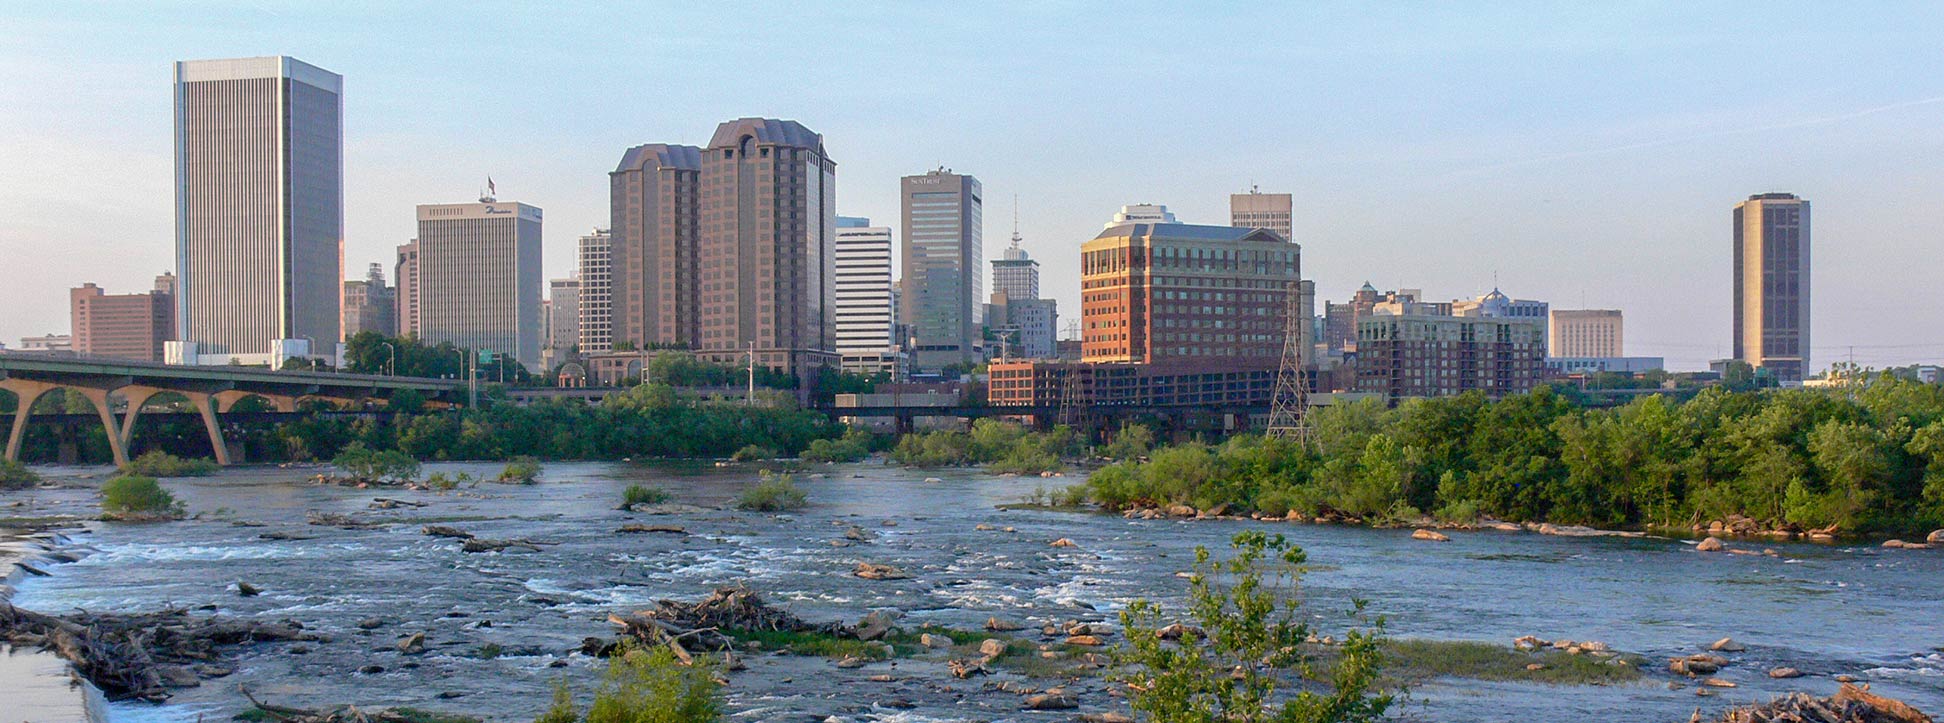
(654, 212)
(370, 305)
(1167, 292)
(1585, 333)
(123, 326)
(942, 268)
(1015, 274)
(594, 266)
(766, 255)
(405, 295)
(862, 293)
(479, 278)
(1771, 284)
(1273, 211)
(259, 199)
(1417, 354)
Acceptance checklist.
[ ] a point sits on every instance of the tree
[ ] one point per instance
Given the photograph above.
(1248, 644)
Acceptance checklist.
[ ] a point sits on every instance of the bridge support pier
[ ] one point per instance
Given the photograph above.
(136, 396)
(99, 397)
(205, 404)
(27, 392)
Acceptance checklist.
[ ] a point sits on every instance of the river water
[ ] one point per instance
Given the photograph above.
(1828, 610)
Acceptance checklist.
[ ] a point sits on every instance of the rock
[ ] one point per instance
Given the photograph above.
(1107, 717)
(1177, 631)
(1063, 542)
(851, 661)
(1430, 536)
(1936, 537)
(1727, 645)
(372, 669)
(1050, 701)
(1845, 678)
(984, 527)
(963, 669)
(882, 678)
(444, 531)
(871, 571)
(371, 623)
(1535, 666)
(1529, 642)
(1712, 544)
(1594, 646)
(638, 528)
(244, 589)
(933, 480)
(1086, 640)
(876, 624)
(412, 644)
(1717, 683)
(996, 625)
(1180, 511)
(992, 648)
(1693, 666)
(1895, 544)
(1784, 673)
(859, 534)
(934, 641)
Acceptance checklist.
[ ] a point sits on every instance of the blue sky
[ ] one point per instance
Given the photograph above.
(1586, 155)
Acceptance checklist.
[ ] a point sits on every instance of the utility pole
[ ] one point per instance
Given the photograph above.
(751, 399)
(472, 380)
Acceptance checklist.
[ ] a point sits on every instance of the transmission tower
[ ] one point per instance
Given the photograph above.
(1072, 407)
(1289, 408)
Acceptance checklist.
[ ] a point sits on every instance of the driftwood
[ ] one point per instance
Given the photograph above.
(339, 714)
(392, 503)
(1851, 704)
(140, 656)
(683, 627)
(333, 519)
(480, 544)
(444, 531)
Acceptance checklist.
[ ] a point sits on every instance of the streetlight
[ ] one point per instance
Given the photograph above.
(392, 355)
(310, 350)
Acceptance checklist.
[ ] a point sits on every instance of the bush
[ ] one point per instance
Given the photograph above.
(645, 686)
(643, 495)
(369, 465)
(773, 494)
(853, 446)
(157, 463)
(14, 475)
(753, 453)
(523, 470)
(138, 498)
(1252, 645)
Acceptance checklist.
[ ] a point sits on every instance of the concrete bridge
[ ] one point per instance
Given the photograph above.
(211, 390)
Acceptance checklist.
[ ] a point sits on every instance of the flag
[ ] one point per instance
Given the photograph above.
(490, 190)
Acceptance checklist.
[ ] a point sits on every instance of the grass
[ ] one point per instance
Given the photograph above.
(16, 476)
(138, 498)
(814, 644)
(157, 463)
(639, 494)
(1411, 661)
(410, 715)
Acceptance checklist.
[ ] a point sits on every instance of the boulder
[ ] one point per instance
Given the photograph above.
(1091, 641)
(1177, 631)
(1180, 511)
(1535, 666)
(1430, 536)
(1717, 683)
(933, 480)
(1050, 701)
(371, 623)
(1712, 544)
(963, 669)
(1063, 542)
(1895, 544)
(1529, 642)
(984, 527)
(1107, 717)
(876, 624)
(636, 528)
(934, 641)
(1727, 645)
(411, 644)
(870, 571)
(992, 648)
(1936, 537)
(1594, 646)
(1784, 673)
(244, 589)
(996, 625)
(859, 534)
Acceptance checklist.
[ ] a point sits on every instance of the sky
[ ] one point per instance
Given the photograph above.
(1588, 155)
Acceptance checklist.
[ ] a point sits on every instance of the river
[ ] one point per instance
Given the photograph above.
(1827, 610)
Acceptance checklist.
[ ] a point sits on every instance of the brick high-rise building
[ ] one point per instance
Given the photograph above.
(653, 206)
(765, 256)
(126, 326)
(259, 199)
(1168, 292)
(1772, 284)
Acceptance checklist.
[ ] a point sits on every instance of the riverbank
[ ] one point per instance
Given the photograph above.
(40, 686)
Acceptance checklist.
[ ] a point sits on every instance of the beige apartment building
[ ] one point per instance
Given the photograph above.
(479, 281)
(1772, 284)
(654, 208)
(1585, 333)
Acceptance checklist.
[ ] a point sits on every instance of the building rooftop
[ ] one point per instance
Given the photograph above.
(1191, 231)
(667, 156)
(766, 131)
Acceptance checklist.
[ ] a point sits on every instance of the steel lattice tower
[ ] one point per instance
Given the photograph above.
(1289, 408)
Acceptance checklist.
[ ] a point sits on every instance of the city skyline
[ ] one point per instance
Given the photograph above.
(1484, 153)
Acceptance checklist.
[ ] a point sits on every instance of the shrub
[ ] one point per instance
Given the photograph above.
(364, 463)
(853, 446)
(157, 463)
(14, 475)
(645, 686)
(643, 495)
(753, 453)
(523, 470)
(774, 494)
(1252, 645)
(138, 498)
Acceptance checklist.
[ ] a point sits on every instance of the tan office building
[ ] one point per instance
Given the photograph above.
(124, 326)
(1166, 292)
(653, 206)
(766, 255)
(942, 289)
(1255, 209)
(479, 282)
(259, 207)
(1772, 284)
(1585, 333)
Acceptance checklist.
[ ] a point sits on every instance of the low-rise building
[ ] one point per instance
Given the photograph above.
(124, 326)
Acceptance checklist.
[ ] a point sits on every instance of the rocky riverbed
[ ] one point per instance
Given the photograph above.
(411, 619)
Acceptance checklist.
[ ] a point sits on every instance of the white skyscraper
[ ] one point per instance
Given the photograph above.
(479, 277)
(259, 198)
(596, 271)
(863, 294)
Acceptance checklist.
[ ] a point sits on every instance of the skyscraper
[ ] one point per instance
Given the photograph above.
(595, 267)
(1772, 284)
(370, 304)
(765, 253)
(942, 300)
(863, 293)
(1255, 209)
(1015, 273)
(653, 208)
(406, 295)
(259, 198)
(479, 277)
